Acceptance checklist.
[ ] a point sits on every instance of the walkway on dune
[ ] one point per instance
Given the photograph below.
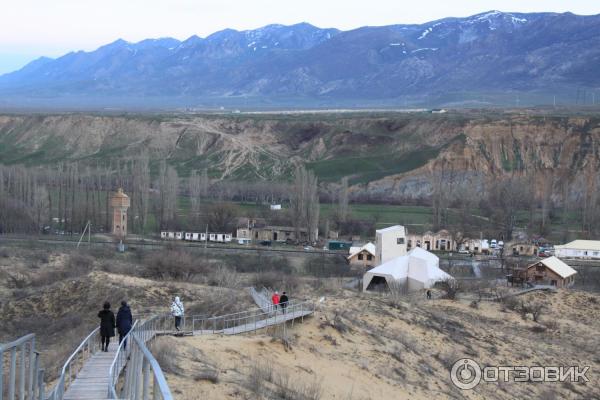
(95, 380)
(264, 316)
(92, 380)
(257, 324)
(275, 320)
(532, 289)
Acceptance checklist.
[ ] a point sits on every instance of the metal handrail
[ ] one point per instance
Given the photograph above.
(85, 348)
(118, 363)
(261, 298)
(146, 364)
(245, 320)
(30, 376)
(140, 365)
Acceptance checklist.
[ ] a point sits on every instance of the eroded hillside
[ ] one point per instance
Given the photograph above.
(385, 154)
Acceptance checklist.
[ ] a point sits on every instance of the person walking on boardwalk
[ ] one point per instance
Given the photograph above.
(283, 302)
(124, 322)
(107, 325)
(275, 300)
(177, 312)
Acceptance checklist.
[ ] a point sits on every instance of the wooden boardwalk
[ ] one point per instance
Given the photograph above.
(91, 382)
(277, 319)
(264, 323)
(533, 289)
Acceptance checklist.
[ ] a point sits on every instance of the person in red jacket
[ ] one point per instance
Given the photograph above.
(275, 300)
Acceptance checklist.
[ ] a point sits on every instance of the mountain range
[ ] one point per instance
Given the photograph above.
(491, 58)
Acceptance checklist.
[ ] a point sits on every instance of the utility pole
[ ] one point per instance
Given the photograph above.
(88, 230)
(206, 238)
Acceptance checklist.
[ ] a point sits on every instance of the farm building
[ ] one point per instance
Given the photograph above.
(589, 249)
(195, 237)
(474, 246)
(418, 269)
(167, 235)
(440, 241)
(273, 233)
(391, 243)
(363, 256)
(524, 249)
(550, 271)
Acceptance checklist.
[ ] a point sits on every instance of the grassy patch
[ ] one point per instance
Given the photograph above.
(367, 168)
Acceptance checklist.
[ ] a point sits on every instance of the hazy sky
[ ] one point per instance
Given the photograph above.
(32, 28)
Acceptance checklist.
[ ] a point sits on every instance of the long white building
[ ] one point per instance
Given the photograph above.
(589, 249)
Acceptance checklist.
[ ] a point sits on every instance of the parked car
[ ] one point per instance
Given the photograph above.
(493, 244)
(265, 243)
(308, 248)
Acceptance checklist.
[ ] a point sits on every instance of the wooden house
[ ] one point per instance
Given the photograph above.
(363, 256)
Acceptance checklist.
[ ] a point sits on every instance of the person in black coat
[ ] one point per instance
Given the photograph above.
(283, 301)
(124, 322)
(107, 325)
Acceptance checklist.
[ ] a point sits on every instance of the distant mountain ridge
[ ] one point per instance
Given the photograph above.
(494, 54)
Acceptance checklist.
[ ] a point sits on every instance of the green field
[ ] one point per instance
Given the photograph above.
(363, 169)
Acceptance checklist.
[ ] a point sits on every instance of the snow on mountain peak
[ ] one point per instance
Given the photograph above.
(495, 18)
(428, 31)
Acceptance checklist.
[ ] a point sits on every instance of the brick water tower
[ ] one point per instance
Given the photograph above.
(119, 203)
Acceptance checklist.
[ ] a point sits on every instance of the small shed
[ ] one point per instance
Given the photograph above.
(363, 256)
(524, 249)
(551, 271)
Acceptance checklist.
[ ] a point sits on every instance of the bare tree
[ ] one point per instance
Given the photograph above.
(221, 217)
(204, 183)
(590, 213)
(195, 190)
(343, 200)
(168, 186)
(140, 188)
(305, 205)
(40, 205)
(506, 197)
(443, 183)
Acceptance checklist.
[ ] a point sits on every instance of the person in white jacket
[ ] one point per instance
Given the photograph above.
(177, 311)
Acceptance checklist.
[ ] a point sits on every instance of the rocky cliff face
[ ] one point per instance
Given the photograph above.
(387, 155)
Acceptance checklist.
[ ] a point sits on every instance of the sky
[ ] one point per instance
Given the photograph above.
(34, 28)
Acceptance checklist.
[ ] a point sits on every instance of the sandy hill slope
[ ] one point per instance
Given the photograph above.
(364, 348)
